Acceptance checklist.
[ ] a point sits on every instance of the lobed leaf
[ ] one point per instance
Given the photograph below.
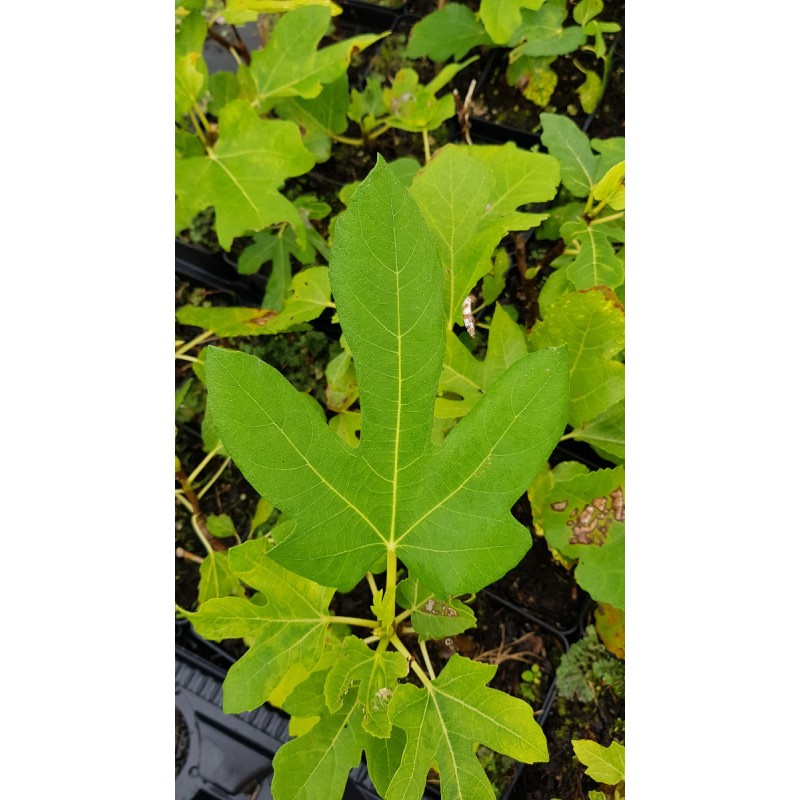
(241, 176)
(443, 509)
(542, 32)
(290, 64)
(503, 17)
(448, 32)
(596, 263)
(216, 578)
(315, 766)
(603, 764)
(377, 674)
(592, 323)
(445, 718)
(289, 629)
(469, 197)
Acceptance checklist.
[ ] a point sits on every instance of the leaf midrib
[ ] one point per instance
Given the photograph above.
(480, 465)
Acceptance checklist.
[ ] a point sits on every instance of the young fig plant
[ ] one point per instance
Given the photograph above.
(442, 511)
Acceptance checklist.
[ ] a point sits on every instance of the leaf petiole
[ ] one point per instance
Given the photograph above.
(202, 465)
(214, 478)
(427, 659)
(363, 623)
(197, 340)
(401, 648)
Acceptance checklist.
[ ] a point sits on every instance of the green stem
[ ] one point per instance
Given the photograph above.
(391, 583)
(347, 140)
(185, 554)
(401, 648)
(200, 535)
(203, 119)
(191, 359)
(214, 478)
(201, 466)
(372, 585)
(378, 131)
(362, 623)
(609, 218)
(401, 617)
(186, 503)
(427, 145)
(427, 659)
(198, 129)
(197, 340)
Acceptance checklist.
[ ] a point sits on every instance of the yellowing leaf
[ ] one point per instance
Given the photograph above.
(241, 176)
(310, 296)
(469, 197)
(375, 672)
(592, 324)
(603, 764)
(445, 718)
(467, 377)
(503, 17)
(290, 628)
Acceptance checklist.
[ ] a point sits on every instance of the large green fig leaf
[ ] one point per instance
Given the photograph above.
(592, 323)
(445, 718)
(241, 176)
(444, 510)
(469, 197)
(289, 629)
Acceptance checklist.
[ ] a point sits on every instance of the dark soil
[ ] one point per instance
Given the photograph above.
(564, 776)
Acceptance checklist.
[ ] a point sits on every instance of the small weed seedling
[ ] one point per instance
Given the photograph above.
(442, 510)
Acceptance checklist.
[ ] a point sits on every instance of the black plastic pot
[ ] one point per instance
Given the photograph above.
(228, 757)
(218, 271)
(359, 17)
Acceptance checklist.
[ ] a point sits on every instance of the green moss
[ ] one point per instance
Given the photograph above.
(587, 668)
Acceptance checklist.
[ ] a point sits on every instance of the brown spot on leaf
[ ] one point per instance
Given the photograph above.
(263, 319)
(561, 505)
(580, 533)
(618, 504)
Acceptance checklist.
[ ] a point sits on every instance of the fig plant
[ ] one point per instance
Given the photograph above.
(397, 503)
